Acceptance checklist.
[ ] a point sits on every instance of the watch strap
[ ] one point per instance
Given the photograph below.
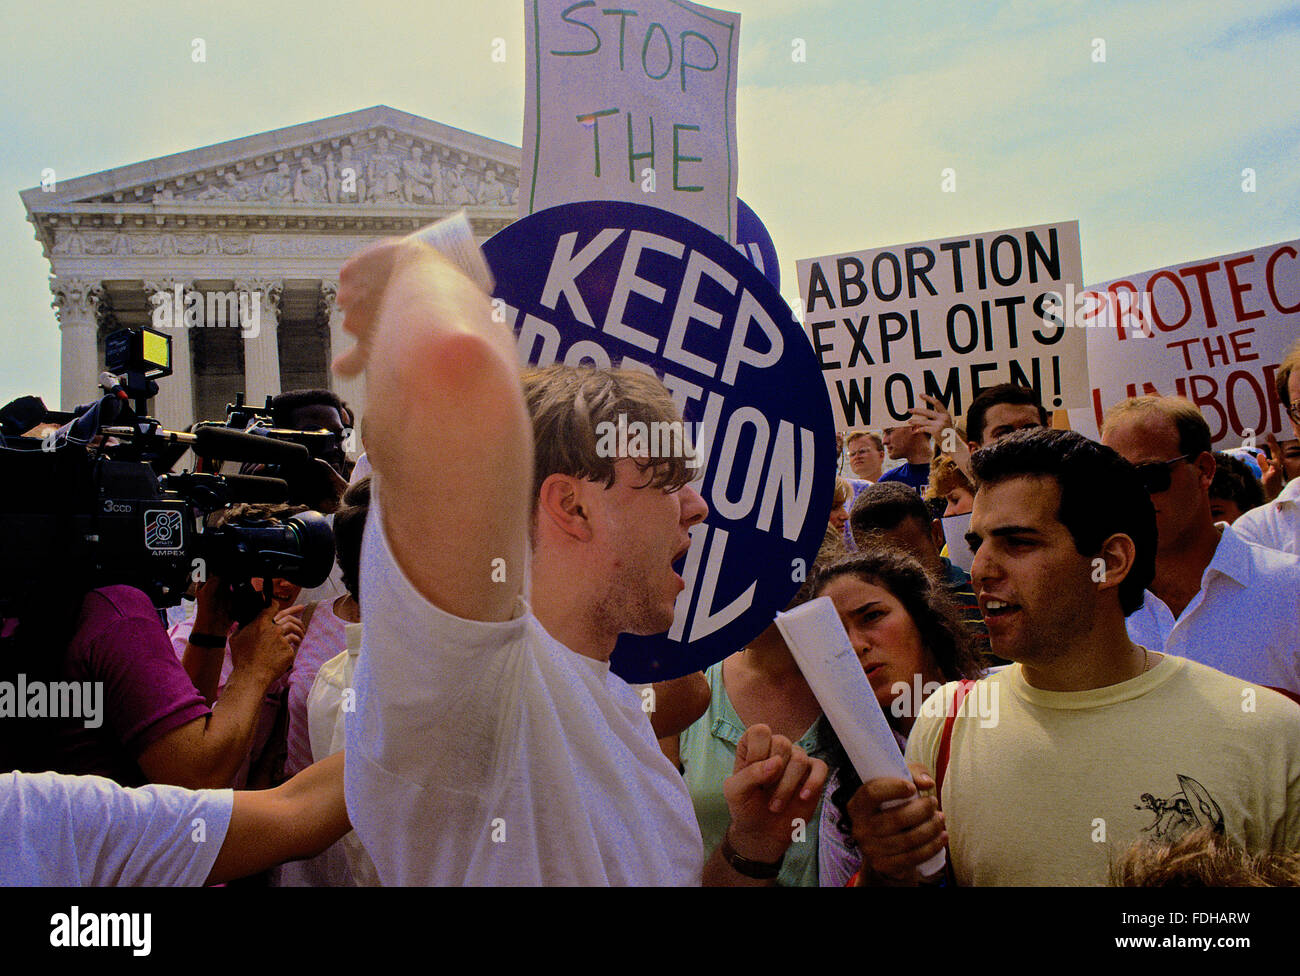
(759, 870)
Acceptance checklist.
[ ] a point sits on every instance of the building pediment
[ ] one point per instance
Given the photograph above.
(379, 166)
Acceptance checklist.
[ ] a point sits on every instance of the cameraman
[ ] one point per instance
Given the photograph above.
(320, 410)
(322, 484)
(315, 410)
(153, 726)
(210, 659)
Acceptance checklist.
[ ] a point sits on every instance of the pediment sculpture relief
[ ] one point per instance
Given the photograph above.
(383, 173)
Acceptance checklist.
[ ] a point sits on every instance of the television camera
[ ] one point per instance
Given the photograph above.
(97, 501)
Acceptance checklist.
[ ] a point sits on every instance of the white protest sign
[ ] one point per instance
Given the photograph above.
(1212, 331)
(1084, 421)
(947, 318)
(634, 103)
(955, 528)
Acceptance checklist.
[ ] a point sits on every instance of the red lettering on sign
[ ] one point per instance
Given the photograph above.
(1204, 392)
(1239, 288)
(1200, 272)
(1155, 312)
(1128, 306)
(1268, 276)
(1261, 400)
(1239, 348)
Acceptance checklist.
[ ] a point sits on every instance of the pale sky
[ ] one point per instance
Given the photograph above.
(843, 151)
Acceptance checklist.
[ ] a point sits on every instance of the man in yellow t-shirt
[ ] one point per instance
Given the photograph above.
(1089, 742)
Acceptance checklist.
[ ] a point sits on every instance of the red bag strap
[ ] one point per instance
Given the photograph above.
(941, 761)
(945, 742)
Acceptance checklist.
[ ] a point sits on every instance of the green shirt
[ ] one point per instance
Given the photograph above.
(708, 753)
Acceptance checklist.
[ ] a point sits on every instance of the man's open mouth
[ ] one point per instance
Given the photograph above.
(992, 607)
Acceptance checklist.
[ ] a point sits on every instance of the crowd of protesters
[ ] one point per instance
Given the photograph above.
(1130, 612)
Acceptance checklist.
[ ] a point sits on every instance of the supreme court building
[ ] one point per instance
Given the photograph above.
(271, 217)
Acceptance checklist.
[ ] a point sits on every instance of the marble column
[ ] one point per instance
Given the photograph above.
(261, 348)
(352, 389)
(173, 407)
(75, 304)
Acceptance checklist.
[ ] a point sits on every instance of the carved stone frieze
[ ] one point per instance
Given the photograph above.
(361, 170)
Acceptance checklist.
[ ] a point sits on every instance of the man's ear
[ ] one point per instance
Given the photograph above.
(1114, 562)
(936, 534)
(973, 446)
(1206, 465)
(560, 503)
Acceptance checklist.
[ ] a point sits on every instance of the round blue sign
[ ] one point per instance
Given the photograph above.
(620, 284)
(753, 241)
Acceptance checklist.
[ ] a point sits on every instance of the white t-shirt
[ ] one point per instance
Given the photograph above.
(360, 469)
(1275, 525)
(491, 754)
(326, 705)
(89, 831)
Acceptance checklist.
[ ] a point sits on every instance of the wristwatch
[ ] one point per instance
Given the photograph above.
(207, 640)
(758, 870)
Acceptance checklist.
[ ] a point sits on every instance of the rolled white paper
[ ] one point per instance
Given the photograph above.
(454, 239)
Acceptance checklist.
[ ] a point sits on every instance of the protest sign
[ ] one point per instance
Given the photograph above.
(610, 283)
(946, 318)
(1212, 331)
(633, 103)
(1083, 421)
(753, 241)
(955, 528)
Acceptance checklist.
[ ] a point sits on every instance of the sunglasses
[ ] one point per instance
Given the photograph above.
(1157, 476)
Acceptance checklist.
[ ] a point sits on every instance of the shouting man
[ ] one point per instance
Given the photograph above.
(491, 744)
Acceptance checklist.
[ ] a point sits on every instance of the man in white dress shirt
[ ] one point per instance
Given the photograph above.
(1215, 598)
(1277, 524)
